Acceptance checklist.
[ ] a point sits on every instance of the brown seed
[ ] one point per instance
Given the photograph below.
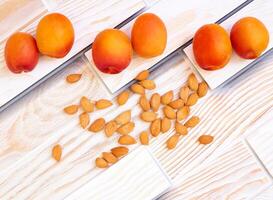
(110, 128)
(97, 125)
(165, 124)
(184, 93)
(169, 112)
(103, 103)
(155, 102)
(167, 97)
(123, 117)
(101, 163)
(109, 157)
(70, 110)
(155, 127)
(202, 89)
(182, 113)
(181, 129)
(123, 97)
(86, 105)
(138, 89)
(205, 139)
(172, 141)
(84, 119)
(148, 116)
(126, 140)
(144, 103)
(57, 152)
(142, 75)
(176, 104)
(126, 128)
(119, 151)
(73, 78)
(144, 138)
(148, 84)
(193, 98)
(192, 122)
(192, 82)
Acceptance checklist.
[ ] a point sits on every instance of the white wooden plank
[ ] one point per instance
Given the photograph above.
(261, 9)
(120, 180)
(232, 175)
(181, 23)
(266, 194)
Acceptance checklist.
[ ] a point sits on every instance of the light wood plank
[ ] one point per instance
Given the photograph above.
(261, 9)
(266, 194)
(181, 23)
(232, 175)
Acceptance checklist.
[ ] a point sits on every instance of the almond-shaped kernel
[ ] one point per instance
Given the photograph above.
(142, 75)
(144, 103)
(202, 89)
(123, 97)
(126, 128)
(57, 152)
(176, 104)
(184, 93)
(103, 103)
(148, 116)
(84, 119)
(167, 97)
(155, 127)
(126, 140)
(70, 110)
(148, 84)
(137, 88)
(110, 128)
(192, 82)
(182, 113)
(172, 141)
(109, 157)
(144, 138)
(192, 122)
(169, 112)
(73, 78)
(165, 124)
(97, 125)
(119, 151)
(181, 129)
(123, 117)
(86, 104)
(193, 98)
(101, 163)
(205, 139)
(155, 102)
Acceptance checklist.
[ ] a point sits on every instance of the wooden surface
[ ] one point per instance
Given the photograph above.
(226, 168)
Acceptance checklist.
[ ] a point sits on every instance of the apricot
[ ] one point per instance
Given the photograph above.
(149, 35)
(112, 51)
(55, 35)
(21, 52)
(212, 47)
(249, 37)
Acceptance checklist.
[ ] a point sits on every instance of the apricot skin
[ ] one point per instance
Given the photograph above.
(149, 35)
(212, 47)
(55, 35)
(112, 51)
(21, 53)
(249, 37)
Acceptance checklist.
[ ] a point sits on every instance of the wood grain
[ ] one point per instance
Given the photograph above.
(181, 23)
(234, 174)
(266, 194)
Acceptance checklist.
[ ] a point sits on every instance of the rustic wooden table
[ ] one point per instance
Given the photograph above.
(237, 165)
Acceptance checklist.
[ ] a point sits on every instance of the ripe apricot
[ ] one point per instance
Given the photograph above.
(211, 47)
(149, 35)
(21, 52)
(55, 35)
(112, 51)
(249, 37)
